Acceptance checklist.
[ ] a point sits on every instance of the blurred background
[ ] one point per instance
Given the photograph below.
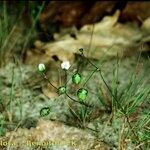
(25, 22)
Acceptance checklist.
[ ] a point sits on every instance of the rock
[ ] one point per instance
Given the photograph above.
(51, 134)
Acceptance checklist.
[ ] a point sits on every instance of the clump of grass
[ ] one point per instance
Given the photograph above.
(9, 25)
(2, 126)
(9, 39)
(4, 30)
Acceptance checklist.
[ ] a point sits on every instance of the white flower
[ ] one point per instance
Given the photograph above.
(41, 67)
(65, 65)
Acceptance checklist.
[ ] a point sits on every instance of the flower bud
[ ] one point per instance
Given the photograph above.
(65, 65)
(41, 68)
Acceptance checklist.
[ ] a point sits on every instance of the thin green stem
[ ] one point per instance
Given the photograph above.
(11, 92)
(89, 61)
(45, 77)
(65, 77)
(89, 77)
(33, 26)
(89, 48)
(87, 105)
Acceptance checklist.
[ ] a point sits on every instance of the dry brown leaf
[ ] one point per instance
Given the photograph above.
(124, 39)
(110, 38)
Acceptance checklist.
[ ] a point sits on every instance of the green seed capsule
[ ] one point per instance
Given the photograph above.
(44, 111)
(76, 78)
(82, 94)
(61, 90)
